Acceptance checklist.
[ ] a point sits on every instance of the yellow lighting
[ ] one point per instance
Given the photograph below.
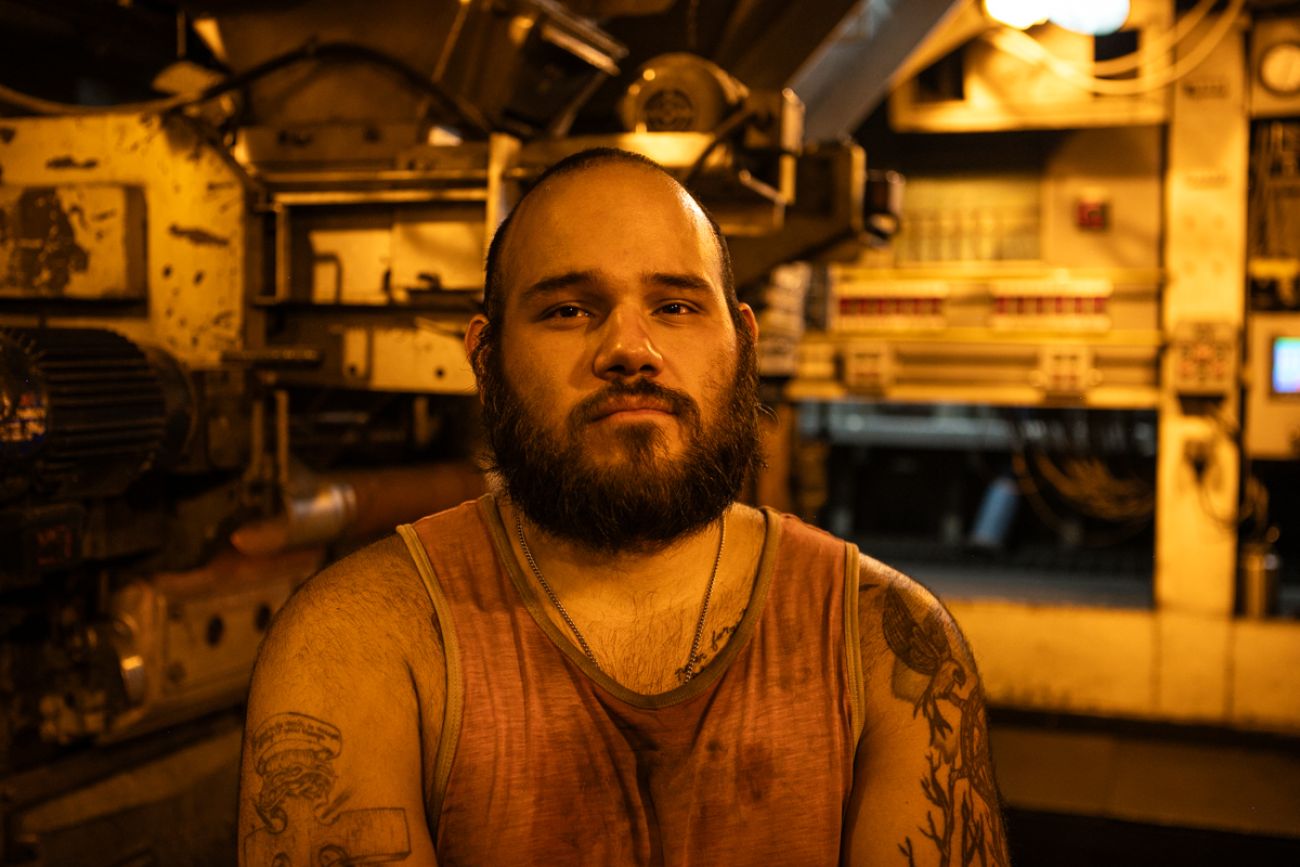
(1093, 18)
(1020, 14)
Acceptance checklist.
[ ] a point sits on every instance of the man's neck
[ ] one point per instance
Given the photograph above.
(625, 583)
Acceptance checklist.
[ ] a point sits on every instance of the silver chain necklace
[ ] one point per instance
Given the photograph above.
(573, 627)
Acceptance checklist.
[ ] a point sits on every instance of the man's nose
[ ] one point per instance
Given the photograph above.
(626, 347)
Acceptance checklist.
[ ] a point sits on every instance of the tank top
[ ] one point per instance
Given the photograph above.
(545, 760)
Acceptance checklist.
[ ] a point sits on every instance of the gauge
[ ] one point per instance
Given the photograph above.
(1279, 68)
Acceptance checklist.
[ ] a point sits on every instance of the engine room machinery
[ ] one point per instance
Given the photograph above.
(1065, 393)
(239, 244)
(233, 289)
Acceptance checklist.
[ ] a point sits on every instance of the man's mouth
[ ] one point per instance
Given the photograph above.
(630, 407)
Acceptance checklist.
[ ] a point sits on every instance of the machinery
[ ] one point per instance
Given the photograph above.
(233, 288)
(1065, 395)
(1048, 365)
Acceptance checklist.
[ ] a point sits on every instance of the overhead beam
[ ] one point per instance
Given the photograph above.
(851, 72)
(789, 37)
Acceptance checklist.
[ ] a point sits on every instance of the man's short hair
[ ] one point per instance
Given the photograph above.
(493, 289)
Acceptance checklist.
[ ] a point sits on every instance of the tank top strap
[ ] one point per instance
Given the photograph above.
(453, 708)
(853, 642)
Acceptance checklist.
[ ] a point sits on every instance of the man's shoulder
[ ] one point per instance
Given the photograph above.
(875, 580)
(808, 539)
(374, 576)
(902, 620)
(873, 575)
(371, 595)
(455, 518)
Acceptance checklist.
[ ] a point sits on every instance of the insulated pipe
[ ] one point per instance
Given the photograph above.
(358, 505)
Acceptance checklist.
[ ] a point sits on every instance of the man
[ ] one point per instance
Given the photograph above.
(609, 661)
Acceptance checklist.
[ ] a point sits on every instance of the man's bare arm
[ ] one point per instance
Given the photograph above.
(332, 765)
(924, 792)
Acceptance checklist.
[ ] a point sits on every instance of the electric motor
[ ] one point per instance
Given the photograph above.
(84, 412)
(680, 92)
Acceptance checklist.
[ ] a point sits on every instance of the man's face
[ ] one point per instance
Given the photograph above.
(619, 398)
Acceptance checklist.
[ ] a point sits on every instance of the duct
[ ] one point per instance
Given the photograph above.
(847, 77)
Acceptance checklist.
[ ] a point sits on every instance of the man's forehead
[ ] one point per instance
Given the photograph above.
(611, 186)
(609, 175)
(610, 199)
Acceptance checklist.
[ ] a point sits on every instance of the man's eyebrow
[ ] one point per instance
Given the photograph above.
(569, 279)
(686, 281)
(556, 283)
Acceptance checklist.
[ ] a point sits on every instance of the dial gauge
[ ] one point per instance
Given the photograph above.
(1279, 68)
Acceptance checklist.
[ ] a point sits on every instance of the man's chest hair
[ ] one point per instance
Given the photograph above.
(648, 653)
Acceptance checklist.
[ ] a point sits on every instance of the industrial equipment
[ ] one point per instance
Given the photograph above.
(1062, 395)
(233, 289)
(1066, 383)
(239, 243)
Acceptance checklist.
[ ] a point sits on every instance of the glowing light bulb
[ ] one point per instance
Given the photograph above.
(1089, 17)
(1020, 14)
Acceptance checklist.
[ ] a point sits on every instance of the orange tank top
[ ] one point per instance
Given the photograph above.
(544, 760)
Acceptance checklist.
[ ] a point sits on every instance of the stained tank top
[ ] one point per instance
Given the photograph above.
(545, 760)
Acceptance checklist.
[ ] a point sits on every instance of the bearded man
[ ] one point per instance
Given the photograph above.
(609, 660)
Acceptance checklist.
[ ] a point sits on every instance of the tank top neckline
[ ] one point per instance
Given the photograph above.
(709, 675)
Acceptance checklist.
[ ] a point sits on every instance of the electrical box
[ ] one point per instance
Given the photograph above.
(1272, 430)
(1275, 68)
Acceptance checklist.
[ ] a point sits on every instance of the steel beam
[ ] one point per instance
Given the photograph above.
(846, 77)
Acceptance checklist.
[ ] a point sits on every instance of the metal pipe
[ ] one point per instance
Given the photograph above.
(360, 505)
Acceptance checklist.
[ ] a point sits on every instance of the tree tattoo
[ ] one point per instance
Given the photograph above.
(304, 826)
(963, 822)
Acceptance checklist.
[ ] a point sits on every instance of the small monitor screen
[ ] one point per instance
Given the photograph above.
(1286, 365)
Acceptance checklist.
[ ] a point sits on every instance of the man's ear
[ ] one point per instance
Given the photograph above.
(751, 321)
(473, 336)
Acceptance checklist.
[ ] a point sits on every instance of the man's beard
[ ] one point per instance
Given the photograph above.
(643, 498)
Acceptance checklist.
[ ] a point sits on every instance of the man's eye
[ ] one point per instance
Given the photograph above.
(676, 308)
(565, 311)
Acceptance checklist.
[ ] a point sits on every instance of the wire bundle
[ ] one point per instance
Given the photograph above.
(1097, 79)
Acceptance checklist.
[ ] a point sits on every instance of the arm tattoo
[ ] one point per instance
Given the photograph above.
(302, 823)
(959, 780)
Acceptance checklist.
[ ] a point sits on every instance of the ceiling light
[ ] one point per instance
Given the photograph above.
(1020, 14)
(1091, 18)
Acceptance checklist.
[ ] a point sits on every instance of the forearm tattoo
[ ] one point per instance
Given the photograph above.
(963, 822)
(303, 823)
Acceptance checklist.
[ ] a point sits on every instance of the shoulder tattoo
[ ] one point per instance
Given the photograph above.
(935, 674)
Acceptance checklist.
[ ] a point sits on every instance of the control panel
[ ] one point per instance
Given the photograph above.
(1204, 359)
(1273, 386)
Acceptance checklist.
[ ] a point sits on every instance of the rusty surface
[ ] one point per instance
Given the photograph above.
(159, 214)
(70, 162)
(76, 241)
(38, 248)
(197, 236)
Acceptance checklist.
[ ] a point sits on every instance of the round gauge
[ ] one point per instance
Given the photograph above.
(1279, 68)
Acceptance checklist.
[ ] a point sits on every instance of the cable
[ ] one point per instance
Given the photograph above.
(1049, 517)
(1254, 496)
(1088, 485)
(311, 51)
(1165, 41)
(1125, 528)
(1028, 49)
